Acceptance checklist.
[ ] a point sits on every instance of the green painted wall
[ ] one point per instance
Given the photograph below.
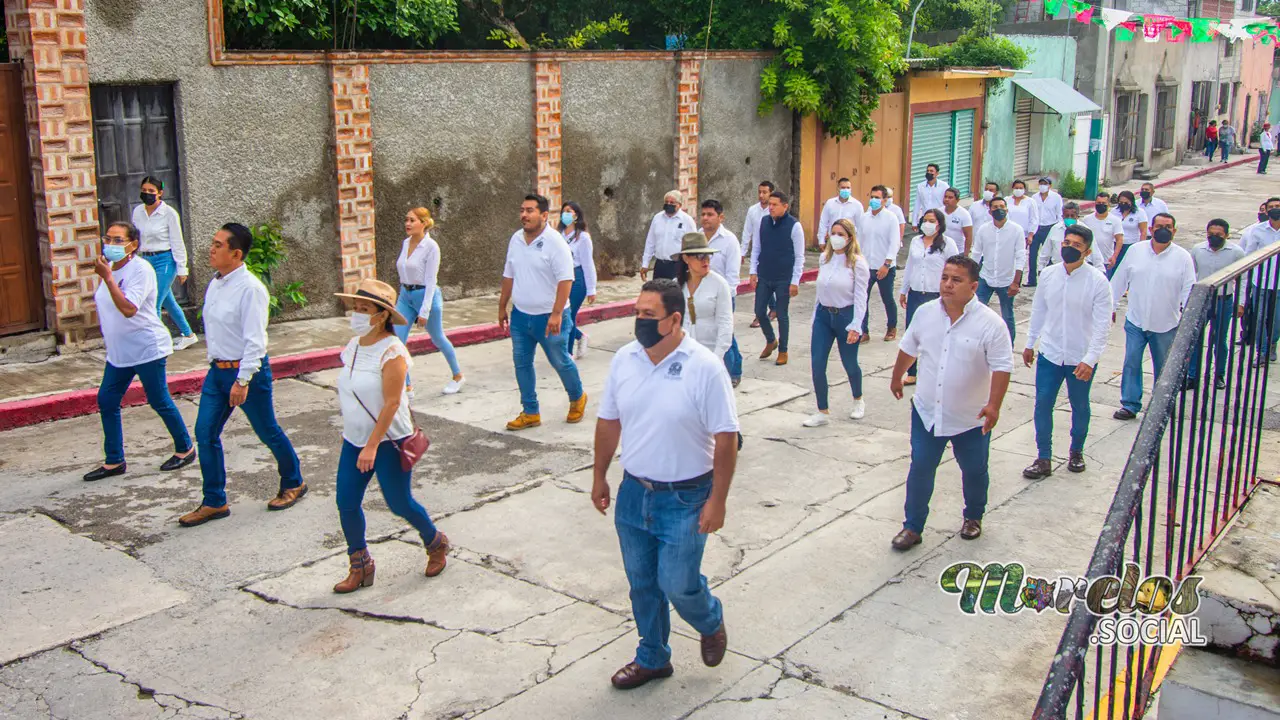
(1051, 57)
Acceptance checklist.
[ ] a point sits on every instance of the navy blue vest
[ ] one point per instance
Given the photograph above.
(777, 253)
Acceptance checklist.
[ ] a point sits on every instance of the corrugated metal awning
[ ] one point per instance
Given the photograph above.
(1057, 95)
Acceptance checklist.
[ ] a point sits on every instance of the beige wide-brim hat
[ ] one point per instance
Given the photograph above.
(695, 243)
(378, 293)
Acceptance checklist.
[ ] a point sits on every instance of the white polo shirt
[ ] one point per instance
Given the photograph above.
(1048, 208)
(928, 197)
(1131, 225)
(1071, 315)
(727, 262)
(955, 364)
(139, 339)
(1158, 285)
(837, 209)
(536, 269)
(956, 223)
(670, 412)
(880, 237)
(1106, 233)
(665, 233)
(1002, 252)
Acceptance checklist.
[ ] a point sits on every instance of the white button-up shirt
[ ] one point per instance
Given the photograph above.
(1255, 238)
(161, 231)
(670, 412)
(880, 237)
(1051, 249)
(709, 313)
(1002, 252)
(797, 241)
(1154, 207)
(1158, 285)
(583, 253)
(892, 207)
(980, 211)
(728, 262)
(1048, 208)
(924, 266)
(955, 364)
(139, 339)
(751, 226)
(956, 223)
(1131, 225)
(1267, 140)
(421, 267)
(1106, 233)
(928, 197)
(1023, 213)
(536, 270)
(664, 239)
(840, 287)
(1071, 315)
(235, 313)
(837, 209)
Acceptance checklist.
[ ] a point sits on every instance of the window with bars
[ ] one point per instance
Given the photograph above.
(1028, 11)
(1125, 141)
(1166, 106)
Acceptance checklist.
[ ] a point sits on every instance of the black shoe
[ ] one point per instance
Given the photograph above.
(1076, 463)
(100, 472)
(177, 461)
(1220, 384)
(1191, 385)
(1124, 414)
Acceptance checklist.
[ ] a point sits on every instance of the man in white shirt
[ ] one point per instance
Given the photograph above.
(1001, 249)
(1107, 232)
(1022, 210)
(965, 360)
(1051, 250)
(1048, 209)
(959, 221)
(536, 280)
(880, 238)
(1158, 276)
(662, 244)
(751, 231)
(1149, 203)
(777, 262)
(1071, 317)
(668, 400)
(842, 206)
(893, 207)
(980, 211)
(727, 262)
(1209, 257)
(928, 193)
(1262, 290)
(1266, 146)
(235, 326)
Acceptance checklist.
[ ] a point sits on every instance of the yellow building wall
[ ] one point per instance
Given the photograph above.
(928, 90)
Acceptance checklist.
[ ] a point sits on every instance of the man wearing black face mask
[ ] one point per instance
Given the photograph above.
(1262, 290)
(1158, 276)
(1209, 257)
(668, 399)
(662, 244)
(929, 194)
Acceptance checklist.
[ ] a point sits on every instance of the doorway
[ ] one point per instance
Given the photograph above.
(21, 297)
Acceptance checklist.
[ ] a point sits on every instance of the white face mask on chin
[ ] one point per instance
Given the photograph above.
(361, 324)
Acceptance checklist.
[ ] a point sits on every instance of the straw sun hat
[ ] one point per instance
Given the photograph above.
(378, 293)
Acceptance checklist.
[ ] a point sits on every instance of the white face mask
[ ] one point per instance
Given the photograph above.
(1019, 192)
(838, 242)
(1044, 188)
(988, 196)
(361, 324)
(929, 228)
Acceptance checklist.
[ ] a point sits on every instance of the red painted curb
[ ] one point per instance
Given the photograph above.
(1210, 168)
(74, 403)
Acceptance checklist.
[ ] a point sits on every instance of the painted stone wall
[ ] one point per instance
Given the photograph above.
(1051, 145)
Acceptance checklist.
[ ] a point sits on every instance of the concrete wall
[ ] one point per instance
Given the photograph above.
(1256, 62)
(1051, 146)
(254, 143)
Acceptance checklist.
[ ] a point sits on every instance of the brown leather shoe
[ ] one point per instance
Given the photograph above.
(768, 350)
(906, 539)
(1076, 463)
(287, 498)
(1041, 468)
(971, 529)
(360, 575)
(866, 338)
(633, 676)
(713, 647)
(204, 514)
(437, 554)
(890, 334)
(782, 359)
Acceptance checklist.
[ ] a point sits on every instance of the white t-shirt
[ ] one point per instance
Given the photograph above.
(956, 223)
(536, 269)
(139, 339)
(361, 377)
(1105, 231)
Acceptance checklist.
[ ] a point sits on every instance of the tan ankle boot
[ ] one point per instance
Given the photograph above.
(360, 575)
(437, 553)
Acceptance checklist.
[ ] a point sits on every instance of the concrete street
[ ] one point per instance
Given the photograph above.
(114, 611)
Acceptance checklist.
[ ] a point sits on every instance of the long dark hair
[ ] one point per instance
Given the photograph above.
(1133, 202)
(940, 239)
(682, 271)
(580, 223)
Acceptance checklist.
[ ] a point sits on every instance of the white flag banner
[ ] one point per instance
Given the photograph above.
(1112, 18)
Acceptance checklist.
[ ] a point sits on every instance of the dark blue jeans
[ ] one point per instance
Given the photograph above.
(775, 294)
(527, 333)
(914, 301)
(662, 555)
(970, 448)
(985, 292)
(577, 296)
(1209, 147)
(733, 356)
(1049, 379)
(1033, 252)
(830, 326)
(886, 296)
(1136, 341)
(1219, 331)
(1266, 328)
(115, 382)
(215, 409)
(397, 491)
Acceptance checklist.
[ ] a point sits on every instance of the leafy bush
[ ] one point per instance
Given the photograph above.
(1071, 187)
(337, 24)
(975, 49)
(265, 256)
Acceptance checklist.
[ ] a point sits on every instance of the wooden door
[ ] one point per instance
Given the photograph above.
(21, 303)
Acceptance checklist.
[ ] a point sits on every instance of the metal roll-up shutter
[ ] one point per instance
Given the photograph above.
(1022, 138)
(962, 153)
(931, 136)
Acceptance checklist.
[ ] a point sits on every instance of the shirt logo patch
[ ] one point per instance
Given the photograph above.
(674, 370)
(538, 244)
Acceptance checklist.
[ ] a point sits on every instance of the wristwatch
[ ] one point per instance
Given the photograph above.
(242, 382)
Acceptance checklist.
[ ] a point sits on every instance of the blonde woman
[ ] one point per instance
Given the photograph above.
(420, 299)
(843, 277)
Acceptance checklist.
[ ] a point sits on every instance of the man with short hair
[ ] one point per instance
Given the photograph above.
(1158, 275)
(662, 244)
(980, 211)
(1048, 212)
(1108, 234)
(1262, 290)
(1266, 146)
(893, 207)
(965, 361)
(1001, 249)
(236, 306)
(1209, 257)
(751, 230)
(777, 261)
(727, 262)
(1148, 202)
(1051, 250)
(842, 206)
(959, 221)
(928, 193)
(668, 400)
(537, 278)
(1071, 318)
(880, 239)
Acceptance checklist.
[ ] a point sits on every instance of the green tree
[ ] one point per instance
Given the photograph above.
(324, 24)
(941, 15)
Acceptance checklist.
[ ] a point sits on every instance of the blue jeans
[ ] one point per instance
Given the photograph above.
(1219, 331)
(1225, 147)
(1266, 321)
(733, 356)
(577, 295)
(914, 301)
(827, 327)
(886, 297)
(527, 333)
(985, 292)
(1033, 252)
(774, 295)
(662, 555)
(396, 484)
(1049, 379)
(409, 304)
(970, 448)
(1209, 147)
(1136, 340)
(215, 409)
(115, 382)
(166, 271)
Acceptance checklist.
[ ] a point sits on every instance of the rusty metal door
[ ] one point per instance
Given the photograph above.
(21, 303)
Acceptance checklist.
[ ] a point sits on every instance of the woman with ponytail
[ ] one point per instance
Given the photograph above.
(843, 280)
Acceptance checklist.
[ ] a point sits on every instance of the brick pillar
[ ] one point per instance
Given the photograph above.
(546, 129)
(689, 88)
(48, 37)
(353, 136)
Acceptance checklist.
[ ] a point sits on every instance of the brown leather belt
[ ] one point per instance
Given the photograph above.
(225, 364)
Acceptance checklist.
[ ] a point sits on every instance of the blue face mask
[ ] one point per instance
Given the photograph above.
(845, 193)
(113, 253)
(566, 218)
(874, 203)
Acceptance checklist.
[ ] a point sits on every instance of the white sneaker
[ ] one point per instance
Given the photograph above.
(408, 393)
(859, 409)
(817, 420)
(453, 387)
(584, 344)
(185, 341)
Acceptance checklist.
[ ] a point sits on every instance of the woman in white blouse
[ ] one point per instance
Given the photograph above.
(922, 277)
(137, 345)
(573, 225)
(163, 247)
(420, 297)
(843, 276)
(1133, 223)
(375, 416)
(1021, 210)
(707, 296)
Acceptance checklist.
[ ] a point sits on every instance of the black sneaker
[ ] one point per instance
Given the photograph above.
(100, 473)
(1124, 414)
